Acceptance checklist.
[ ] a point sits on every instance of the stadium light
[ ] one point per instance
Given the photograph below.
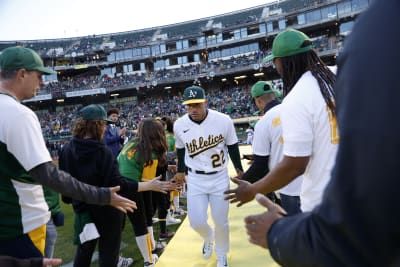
(258, 74)
(240, 77)
(114, 95)
(167, 87)
(61, 100)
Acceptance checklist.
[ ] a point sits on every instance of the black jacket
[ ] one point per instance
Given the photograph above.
(92, 162)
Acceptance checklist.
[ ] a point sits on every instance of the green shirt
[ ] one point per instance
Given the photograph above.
(132, 168)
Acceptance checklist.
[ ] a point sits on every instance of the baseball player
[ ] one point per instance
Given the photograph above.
(204, 137)
(268, 145)
(308, 122)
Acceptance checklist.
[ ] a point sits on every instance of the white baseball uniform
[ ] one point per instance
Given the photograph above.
(268, 141)
(310, 130)
(206, 156)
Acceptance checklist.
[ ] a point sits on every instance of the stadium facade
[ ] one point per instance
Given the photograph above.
(215, 52)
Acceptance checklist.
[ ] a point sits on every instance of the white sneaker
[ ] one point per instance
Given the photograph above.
(222, 261)
(179, 212)
(124, 262)
(172, 220)
(151, 264)
(207, 249)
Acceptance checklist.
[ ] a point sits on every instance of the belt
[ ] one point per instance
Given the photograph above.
(201, 172)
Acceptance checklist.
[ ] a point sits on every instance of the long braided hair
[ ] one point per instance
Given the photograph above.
(293, 67)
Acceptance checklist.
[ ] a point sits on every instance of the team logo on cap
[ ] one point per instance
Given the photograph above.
(192, 94)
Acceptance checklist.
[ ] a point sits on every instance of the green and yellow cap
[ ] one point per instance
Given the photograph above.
(193, 95)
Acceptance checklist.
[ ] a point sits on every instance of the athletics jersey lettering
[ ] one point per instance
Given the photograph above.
(198, 146)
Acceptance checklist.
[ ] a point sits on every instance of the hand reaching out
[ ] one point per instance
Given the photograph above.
(258, 225)
(239, 174)
(163, 186)
(179, 178)
(241, 194)
(119, 202)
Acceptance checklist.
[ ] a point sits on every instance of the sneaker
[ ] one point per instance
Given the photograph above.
(222, 262)
(171, 220)
(159, 248)
(151, 264)
(179, 212)
(207, 249)
(124, 262)
(167, 234)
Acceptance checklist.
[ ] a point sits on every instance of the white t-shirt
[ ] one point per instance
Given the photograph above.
(309, 130)
(268, 141)
(20, 130)
(21, 144)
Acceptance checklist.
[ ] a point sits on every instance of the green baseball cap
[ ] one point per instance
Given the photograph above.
(288, 43)
(193, 95)
(94, 112)
(16, 58)
(262, 87)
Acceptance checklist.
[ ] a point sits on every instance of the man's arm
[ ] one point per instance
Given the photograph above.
(257, 170)
(285, 172)
(48, 175)
(6, 261)
(234, 154)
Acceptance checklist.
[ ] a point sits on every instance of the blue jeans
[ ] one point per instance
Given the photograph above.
(51, 237)
(290, 203)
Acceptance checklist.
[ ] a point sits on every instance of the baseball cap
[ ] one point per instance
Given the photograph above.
(262, 87)
(94, 112)
(288, 43)
(16, 58)
(193, 95)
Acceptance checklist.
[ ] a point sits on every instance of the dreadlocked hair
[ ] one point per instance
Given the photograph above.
(295, 66)
(151, 139)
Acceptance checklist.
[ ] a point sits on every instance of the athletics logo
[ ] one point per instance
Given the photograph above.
(192, 94)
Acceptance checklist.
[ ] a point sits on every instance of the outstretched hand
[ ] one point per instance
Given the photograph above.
(179, 178)
(239, 173)
(119, 202)
(163, 186)
(258, 225)
(242, 194)
(51, 262)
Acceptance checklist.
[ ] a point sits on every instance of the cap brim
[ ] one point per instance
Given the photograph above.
(193, 101)
(109, 121)
(268, 59)
(46, 71)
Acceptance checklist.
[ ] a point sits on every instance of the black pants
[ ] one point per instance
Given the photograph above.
(108, 221)
(141, 218)
(21, 247)
(161, 203)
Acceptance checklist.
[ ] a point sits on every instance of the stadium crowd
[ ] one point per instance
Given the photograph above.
(57, 125)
